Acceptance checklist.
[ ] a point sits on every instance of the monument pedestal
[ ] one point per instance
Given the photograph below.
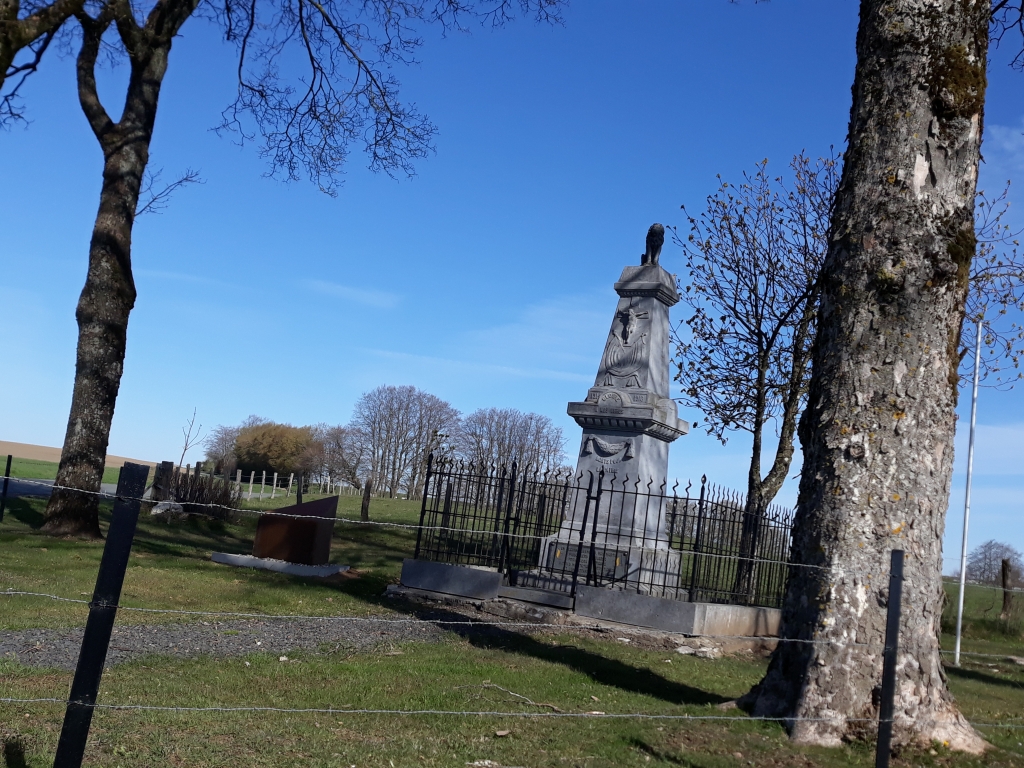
(628, 421)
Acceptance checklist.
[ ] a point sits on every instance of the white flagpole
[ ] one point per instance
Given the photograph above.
(967, 496)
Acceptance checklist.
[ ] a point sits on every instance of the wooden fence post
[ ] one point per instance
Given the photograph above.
(273, 488)
(102, 612)
(252, 479)
(892, 645)
(3, 494)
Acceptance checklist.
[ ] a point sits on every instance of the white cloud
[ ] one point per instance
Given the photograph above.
(365, 296)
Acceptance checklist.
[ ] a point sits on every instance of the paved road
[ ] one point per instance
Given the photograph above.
(17, 487)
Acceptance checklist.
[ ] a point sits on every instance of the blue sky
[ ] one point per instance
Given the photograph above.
(487, 279)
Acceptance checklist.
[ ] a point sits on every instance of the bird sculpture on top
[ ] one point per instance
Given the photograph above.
(655, 239)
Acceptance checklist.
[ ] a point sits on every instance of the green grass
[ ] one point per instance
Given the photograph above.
(32, 469)
(170, 567)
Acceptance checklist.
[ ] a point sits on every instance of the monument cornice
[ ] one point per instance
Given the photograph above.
(648, 280)
(630, 419)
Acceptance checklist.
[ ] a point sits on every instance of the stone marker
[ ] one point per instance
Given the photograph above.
(628, 421)
(294, 540)
(297, 540)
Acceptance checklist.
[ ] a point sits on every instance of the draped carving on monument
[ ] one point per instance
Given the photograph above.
(625, 352)
(596, 445)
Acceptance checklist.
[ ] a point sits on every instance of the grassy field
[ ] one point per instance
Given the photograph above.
(32, 469)
(170, 568)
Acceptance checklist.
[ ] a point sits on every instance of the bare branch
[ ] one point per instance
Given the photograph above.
(155, 200)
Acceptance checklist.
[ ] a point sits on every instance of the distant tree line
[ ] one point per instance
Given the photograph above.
(392, 432)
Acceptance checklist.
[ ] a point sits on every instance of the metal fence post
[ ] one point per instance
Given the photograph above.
(423, 506)
(892, 643)
(3, 494)
(102, 611)
(697, 540)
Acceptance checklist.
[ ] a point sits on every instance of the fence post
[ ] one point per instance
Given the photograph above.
(3, 494)
(423, 506)
(1006, 571)
(263, 483)
(102, 611)
(583, 526)
(298, 492)
(697, 543)
(163, 476)
(892, 643)
(273, 488)
(252, 479)
(364, 507)
(288, 492)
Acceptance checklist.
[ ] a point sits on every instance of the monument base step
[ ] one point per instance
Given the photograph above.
(712, 620)
(539, 596)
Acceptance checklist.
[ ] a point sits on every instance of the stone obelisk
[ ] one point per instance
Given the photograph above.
(628, 421)
(628, 418)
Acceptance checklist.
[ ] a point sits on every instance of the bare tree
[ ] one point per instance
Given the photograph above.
(743, 357)
(877, 432)
(399, 427)
(220, 447)
(26, 31)
(996, 290)
(334, 455)
(499, 436)
(985, 562)
(190, 439)
(345, 95)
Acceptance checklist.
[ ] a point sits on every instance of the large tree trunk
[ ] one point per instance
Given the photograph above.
(109, 292)
(877, 434)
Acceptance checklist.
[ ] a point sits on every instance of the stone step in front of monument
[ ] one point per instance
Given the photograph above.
(539, 596)
(626, 607)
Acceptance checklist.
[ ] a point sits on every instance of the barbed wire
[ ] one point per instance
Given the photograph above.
(408, 526)
(975, 585)
(452, 622)
(335, 711)
(413, 620)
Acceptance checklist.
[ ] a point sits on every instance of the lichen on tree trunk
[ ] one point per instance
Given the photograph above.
(877, 434)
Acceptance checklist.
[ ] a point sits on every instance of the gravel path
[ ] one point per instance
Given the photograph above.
(59, 647)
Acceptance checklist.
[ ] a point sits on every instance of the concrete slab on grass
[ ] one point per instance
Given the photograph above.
(278, 566)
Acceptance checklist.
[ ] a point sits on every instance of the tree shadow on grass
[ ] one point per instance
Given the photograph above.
(982, 677)
(642, 746)
(13, 750)
(22, 511)
(599, 668)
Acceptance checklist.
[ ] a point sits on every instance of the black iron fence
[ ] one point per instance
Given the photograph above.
(554, 530)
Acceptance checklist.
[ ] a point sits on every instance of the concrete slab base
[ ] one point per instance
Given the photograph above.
(451, 579)
(621, 607)
(695, 619)
(278, 566)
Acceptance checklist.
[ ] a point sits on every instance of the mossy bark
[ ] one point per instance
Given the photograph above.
(877, 434)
